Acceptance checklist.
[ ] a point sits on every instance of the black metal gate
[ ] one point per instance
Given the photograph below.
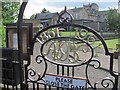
(74, 54)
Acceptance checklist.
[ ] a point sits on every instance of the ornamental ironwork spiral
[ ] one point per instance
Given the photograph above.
(106, 82)
(34, 75)
(42, 37)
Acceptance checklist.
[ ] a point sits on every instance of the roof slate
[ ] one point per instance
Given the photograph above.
(44, 16)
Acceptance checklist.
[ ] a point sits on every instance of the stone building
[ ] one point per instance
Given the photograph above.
(47, 19)
(85, 13)
(88, 15)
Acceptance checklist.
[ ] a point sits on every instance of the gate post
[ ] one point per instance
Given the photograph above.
(19, 32)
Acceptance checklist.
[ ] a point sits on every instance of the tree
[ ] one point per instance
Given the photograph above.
(32, 17)
(45, 11)
(9, 15)
(113, 20)
(10, 11)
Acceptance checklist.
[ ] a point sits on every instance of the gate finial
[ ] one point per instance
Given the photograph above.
(65, 17)
(65, 8)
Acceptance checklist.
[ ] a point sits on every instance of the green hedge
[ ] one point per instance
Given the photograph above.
(2, 36)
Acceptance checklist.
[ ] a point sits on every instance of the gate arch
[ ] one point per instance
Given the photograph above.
(84, 43)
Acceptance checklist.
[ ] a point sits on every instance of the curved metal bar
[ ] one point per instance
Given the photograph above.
(67, 38)
(75, 25)
(103, 81)
(86, 71)
(19, 32)
(33, 73)
(19, 26)
(88, 29)
(107, 79)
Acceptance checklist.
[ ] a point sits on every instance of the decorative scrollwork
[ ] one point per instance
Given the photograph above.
(33, 75)
(39, 59)
(66, 49)
(83, 33)
(96, 64)
(106, 83)
(74, 50)
(65, 17)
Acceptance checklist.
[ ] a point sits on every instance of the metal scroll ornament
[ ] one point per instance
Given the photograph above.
(64, 50)
(65, 17)
(71, 51)
(33, 75)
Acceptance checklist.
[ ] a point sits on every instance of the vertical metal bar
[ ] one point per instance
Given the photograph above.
(62, 70)
(62, 73)
(49, 87)
(7, 86)
(57, 73)
(4, 86)
(5, 72)
(16, 87)
(67, 70)
(19, 32)
(33, 86)
(57, 69)
(37, 86)
(116, 83)
(111, 71)
(45, 87)
(12, 87)
(72, 71)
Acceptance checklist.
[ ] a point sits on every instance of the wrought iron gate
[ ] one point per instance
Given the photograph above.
(67, 55)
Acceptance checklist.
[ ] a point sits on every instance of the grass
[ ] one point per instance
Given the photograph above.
(72, 33)
(111, 43)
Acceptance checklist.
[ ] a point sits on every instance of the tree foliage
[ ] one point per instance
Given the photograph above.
(2, 37)
(44, 10)
(113, 20)
(9, 15)
(10, 11)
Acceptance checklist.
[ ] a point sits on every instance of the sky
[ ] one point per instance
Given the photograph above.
(36, 6)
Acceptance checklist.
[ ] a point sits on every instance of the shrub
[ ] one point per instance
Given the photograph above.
(2, 36)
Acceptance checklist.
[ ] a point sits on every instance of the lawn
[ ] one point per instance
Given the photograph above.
(111, 43)
(72, 33)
